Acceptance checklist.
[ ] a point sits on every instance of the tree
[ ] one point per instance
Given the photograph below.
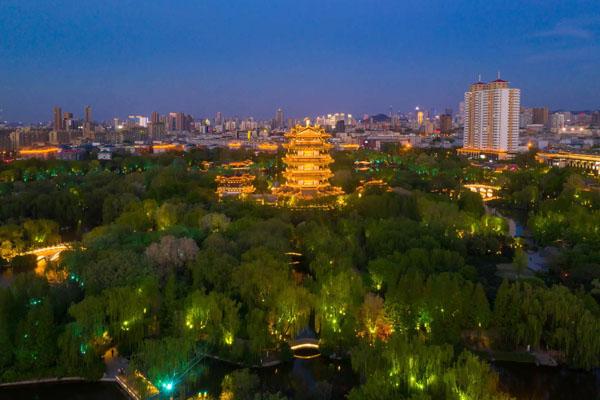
(90, 318)
(164, 360)
(212, 270)
(112, 268)
(471, 202)
(167, 215)
(171, 253)
(374, 322)
(202, 316)
(239, 385)
(520, 261)
(260, 277)
(337, 303)
(41, 231)
(128, 310)
(76, 356)
(6, 327)
(291, 311)
(11, 241)
(258, 333)
(479, 308)
(214, 222)
(35, 338)
(472, 379)
(24, 263)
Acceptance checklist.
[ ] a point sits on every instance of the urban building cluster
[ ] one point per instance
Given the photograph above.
(490, 122)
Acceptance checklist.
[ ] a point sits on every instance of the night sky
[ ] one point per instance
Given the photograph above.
(249, 57)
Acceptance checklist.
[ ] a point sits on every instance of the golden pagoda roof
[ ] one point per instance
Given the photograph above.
(234, 179)
(307, 132)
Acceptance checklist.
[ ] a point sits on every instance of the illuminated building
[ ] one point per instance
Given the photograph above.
(165, 147)
(307, 164)
(348, 146)
(373, 184)
(234, 145)
(331, 121)
(239, 165)
(235, 185)
(491, 121)
(419, 116)
(362, 166)
(267, 147)
(137, 120)
(586, 162)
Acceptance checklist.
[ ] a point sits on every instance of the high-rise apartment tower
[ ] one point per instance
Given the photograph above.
(491, 120)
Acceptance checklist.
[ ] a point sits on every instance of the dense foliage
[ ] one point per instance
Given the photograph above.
(399, 281)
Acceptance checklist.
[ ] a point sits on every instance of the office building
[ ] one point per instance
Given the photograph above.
(87, 114)
(279, 122)
(525, 117)
(557, 122)
(176, 121)
(445, 123)
(595, 118)
(540, 116)
(68, 122)
(420, 116)
(58, 119)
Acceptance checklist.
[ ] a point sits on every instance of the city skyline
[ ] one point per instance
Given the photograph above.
(306, 58)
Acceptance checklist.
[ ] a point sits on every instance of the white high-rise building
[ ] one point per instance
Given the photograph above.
(491, 120)
(557, 122)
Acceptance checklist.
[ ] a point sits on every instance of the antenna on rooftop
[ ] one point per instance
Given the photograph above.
(479, 80)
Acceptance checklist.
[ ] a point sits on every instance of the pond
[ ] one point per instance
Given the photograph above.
(306, 378)
(64, 391)
(303, 378)
(525, 381)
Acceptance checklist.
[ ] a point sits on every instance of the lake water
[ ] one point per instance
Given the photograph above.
(303, 378)
(64, 391)
(525, 381)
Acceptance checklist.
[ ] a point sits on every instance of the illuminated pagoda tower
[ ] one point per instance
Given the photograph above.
(307, 163)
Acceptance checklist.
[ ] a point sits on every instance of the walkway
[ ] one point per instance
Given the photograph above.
(114, 363)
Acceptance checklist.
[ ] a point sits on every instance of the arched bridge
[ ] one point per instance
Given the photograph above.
(305, 348)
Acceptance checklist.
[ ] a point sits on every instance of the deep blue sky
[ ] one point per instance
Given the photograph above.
(248, 57)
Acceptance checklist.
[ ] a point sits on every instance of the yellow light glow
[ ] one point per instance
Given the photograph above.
(44, 150)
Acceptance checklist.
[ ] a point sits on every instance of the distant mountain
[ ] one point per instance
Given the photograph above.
(380, 118)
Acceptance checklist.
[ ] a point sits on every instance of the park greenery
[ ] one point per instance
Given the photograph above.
(401, 282)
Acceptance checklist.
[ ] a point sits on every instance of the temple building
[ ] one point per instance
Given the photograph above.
(235, 185)
(307, 163)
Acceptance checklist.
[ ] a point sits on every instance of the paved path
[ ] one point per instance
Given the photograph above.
(114, 363)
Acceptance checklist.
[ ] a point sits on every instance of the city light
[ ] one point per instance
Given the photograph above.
(243, 202)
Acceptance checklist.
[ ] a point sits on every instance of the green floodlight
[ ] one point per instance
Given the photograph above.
(168, 386)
